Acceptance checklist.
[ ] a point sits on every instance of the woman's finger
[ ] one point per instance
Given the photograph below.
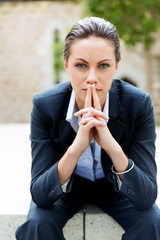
(92, 122)
(90, 112)
(96, 102)
(88, 99)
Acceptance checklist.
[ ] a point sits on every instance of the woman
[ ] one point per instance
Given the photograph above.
(93, 144)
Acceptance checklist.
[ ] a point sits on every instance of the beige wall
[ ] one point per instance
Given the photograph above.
(135, 66)
(26, 55)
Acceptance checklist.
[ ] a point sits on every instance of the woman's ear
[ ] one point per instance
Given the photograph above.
(117, 65)
(66, 65)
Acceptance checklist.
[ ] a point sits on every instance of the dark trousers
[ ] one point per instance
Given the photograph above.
(47, 224)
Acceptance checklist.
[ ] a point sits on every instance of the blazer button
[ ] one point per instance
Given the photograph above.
(131, 192)
(51, 194)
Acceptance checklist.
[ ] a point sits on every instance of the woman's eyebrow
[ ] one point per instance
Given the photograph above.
(103, 60)
(81, 59)
(106, 59)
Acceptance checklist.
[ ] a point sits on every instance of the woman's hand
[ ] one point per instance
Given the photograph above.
(88, 122)
(102, 135)
(83, 138)
(93, 120)
(92, 124)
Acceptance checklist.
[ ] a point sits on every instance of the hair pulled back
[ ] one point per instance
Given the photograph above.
(92, 26)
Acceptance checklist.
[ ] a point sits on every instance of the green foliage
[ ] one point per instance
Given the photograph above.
(136, 21)
(58, 61)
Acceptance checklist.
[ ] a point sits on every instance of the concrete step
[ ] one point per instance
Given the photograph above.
(90, 224)
(100, 226)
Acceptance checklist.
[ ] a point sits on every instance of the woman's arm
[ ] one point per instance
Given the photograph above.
(49, 169)
(83, 138)
(45, 184)
(103, 136)
(139, 184)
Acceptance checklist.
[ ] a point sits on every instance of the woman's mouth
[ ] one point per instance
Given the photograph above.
(97, 90)
(84, 89)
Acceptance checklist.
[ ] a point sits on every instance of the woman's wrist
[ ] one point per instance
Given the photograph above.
(67, 164)
(75, 150)
(118, 157)
(112, 148)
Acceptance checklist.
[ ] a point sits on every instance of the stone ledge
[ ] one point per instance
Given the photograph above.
(98, 225)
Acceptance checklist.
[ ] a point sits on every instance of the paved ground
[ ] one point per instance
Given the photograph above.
(15, 163)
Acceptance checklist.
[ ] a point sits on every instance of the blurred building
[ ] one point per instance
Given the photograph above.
(27, 32)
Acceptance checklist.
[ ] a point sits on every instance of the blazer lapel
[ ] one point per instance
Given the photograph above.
(116, 126)
(66, 132)
(116, 119)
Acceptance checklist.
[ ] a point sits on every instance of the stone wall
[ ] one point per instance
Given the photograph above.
(26, 52)
(155, 73)
(135, 66)
(156, 86)
(26, 55)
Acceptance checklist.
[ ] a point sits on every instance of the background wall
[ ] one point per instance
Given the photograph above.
(26, 55)
(26, 52)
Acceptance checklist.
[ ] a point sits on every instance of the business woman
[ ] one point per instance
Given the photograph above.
(93, 141)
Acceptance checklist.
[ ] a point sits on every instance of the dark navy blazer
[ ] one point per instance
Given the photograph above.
(131, 123)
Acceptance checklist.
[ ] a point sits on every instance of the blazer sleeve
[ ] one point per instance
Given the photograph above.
(45, 185)
(139, 184)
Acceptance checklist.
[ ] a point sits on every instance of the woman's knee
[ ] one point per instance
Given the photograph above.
(149, 223)
(39, 229)
(153, 221)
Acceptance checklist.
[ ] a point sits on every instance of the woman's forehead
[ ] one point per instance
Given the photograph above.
(92, 45)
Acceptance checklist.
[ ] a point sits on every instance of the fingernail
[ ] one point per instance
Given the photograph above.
(107, 120)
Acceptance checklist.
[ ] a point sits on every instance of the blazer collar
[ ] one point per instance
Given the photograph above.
(116, 115)
(115, 108)
(66, 132)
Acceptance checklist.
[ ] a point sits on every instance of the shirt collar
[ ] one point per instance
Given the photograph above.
(72, 108)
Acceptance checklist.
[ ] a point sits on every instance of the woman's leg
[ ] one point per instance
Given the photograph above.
(146, 226)
(138, 224)
(47, 224)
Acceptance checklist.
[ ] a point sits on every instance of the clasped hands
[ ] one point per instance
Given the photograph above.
(93, 121)
(92, 124)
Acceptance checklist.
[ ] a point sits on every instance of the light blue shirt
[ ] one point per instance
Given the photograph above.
(89, 164)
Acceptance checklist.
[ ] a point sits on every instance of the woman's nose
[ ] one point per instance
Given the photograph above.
(92, 78)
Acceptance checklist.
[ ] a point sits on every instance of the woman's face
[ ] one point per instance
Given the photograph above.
(91, 61)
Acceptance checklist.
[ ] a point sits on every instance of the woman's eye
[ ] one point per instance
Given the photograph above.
(81, 65)
(104, 65)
